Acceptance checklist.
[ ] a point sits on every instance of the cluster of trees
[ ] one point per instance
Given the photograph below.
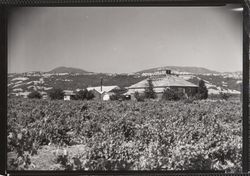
(84, 95)
(58, 94)
(171, 94)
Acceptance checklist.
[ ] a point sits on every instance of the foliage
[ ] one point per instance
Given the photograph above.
(22, 142)
(149, 90)
(139, 97)
(90, 95)
(117, 97)
(56, 94)
(119, 94)
(172, 95)
(129, 135)
(81, 95)
(224, 96)
(35, 94)
(202, 90)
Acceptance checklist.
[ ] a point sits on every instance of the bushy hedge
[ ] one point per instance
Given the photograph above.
(35, 94)
(139, 97)
(172, 95)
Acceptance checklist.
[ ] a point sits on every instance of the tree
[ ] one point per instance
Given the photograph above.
(119, 94)
(81, 95)
(149, 90)
(56, 94)
(35, 94)
(202, 90)
(171, 95)
(139, 97)
(90, 95)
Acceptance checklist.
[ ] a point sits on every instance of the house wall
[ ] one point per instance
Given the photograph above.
(66, 97)
(106, 97)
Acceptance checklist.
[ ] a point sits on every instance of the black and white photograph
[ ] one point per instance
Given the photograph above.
(125, 88)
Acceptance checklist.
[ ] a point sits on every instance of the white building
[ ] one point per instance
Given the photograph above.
(68, 94)
(103, 92)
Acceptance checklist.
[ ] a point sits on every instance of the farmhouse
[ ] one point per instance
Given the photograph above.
(68, 94)
(162, 82)
(103, 92)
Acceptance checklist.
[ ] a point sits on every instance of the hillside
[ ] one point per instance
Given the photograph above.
(66, 81)
(71, 79)
(193, 70)
(68, 70)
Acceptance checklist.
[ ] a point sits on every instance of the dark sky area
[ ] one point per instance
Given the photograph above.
(124, 39)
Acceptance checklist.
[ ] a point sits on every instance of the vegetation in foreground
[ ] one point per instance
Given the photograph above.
(118, 135)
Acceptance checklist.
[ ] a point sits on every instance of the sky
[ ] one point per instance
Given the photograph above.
(124, 39)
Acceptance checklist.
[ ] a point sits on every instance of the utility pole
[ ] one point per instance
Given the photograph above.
(101, 91)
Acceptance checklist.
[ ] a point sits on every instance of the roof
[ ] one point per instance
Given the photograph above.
(43, 93)
(140, 90)
(162, 82)
(104, 88)
(24, 93)
(68, 92)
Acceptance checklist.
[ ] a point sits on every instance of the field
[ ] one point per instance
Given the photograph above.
(124, 135)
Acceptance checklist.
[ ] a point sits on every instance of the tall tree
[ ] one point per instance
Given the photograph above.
(149, 90)
(202, 90)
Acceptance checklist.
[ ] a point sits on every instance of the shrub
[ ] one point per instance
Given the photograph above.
(224, 96)
(149, 91)
(56, 94)
(115, 97)
(35, 94)
(190, 99)
(81, 95)
(139, 97)
(119, 95)
(172, 95)
(90, 95)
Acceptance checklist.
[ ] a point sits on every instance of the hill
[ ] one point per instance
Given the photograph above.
(193, 70)
(68, 70)
(68, 78)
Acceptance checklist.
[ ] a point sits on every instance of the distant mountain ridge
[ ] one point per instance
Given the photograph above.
(193, 70)
(68, 78)
(68, 70)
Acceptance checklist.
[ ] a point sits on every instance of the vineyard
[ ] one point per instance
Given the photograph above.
(125, 135)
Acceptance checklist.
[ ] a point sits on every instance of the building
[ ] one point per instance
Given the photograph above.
(24, 94)
(103, 92)
(68, 94)
(162, 82)
(44, 95)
